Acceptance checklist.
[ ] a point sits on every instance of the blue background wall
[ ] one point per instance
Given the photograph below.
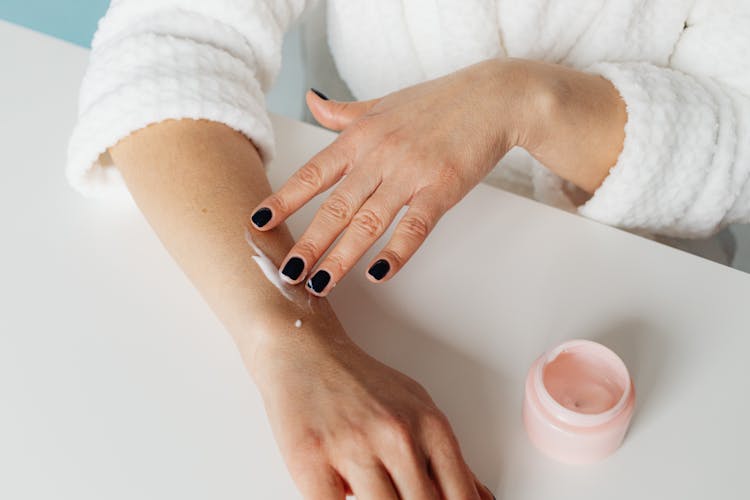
(72, 20)
(75, 21)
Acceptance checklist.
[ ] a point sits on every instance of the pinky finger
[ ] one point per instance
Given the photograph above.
(425, 209)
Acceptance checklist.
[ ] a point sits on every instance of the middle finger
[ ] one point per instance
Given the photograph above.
(332, 217)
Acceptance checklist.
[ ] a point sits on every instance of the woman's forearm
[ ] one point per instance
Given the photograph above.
(197, 182)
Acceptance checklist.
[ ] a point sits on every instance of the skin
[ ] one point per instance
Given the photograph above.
(344, 421)
(428, 145)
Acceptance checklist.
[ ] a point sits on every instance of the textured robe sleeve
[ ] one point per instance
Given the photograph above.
(154, 60)
(685, 165)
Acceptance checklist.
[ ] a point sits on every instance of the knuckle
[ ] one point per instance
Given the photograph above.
(335, 263)
(307, 447)
(444, 445)
(354, 446)
(435, 421)
(369, 223)
(395, 258)
(310, 442)
(337, 208)
(448, 175)
(390, 142)
(416, 226)
(306, 247)
(342, 106)
(279, 202)
(397, 431)
(362, 126)
(358, 437)
(310, 176)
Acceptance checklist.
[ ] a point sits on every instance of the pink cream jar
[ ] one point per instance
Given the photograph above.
(578, 403)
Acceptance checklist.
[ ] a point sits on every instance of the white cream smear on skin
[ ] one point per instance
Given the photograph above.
(271, 272)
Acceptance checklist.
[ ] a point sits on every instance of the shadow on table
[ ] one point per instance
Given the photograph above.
(470, 393)
(476, 396)
(646, 353)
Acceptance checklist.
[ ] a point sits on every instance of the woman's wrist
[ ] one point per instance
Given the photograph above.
(286, 330)
(202, 221)
(572, 122)
(522, 94)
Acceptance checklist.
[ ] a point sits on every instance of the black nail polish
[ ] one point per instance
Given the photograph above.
(293, 268)
(262, 216)
(379, 269)
(320, 94)
(319, 281)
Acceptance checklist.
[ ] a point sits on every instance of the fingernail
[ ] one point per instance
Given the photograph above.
(261, 216)
(320, 94)
(293, 268)
(319, 281)
(379, 269)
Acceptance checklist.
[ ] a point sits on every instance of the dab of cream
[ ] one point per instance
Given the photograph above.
(270, 270)
(298, 323)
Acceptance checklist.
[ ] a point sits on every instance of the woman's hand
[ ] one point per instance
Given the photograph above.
(332, 407)
(428, 145)
(425, 146)
(347, 423)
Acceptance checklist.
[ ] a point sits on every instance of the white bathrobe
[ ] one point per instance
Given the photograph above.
(681, 66)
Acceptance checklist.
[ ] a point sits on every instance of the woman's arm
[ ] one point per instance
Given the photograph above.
(427, 146)
(684, 169)
(196, 181)
(169, 59)
(661, 149)
(343, 420)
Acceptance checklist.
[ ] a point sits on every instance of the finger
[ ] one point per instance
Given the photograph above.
(484, 492)
(425, 209)
(366, 226)
(332, 217)
(452, 475)
(320, 173)
(407, 466)
(370, 481)
(336, 115)
(319, 483)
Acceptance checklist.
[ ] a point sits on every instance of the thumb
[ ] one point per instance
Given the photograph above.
(336, 115)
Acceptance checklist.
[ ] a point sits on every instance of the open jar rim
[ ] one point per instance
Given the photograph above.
(571, 417)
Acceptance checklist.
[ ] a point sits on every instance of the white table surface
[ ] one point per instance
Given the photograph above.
(117, 382)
